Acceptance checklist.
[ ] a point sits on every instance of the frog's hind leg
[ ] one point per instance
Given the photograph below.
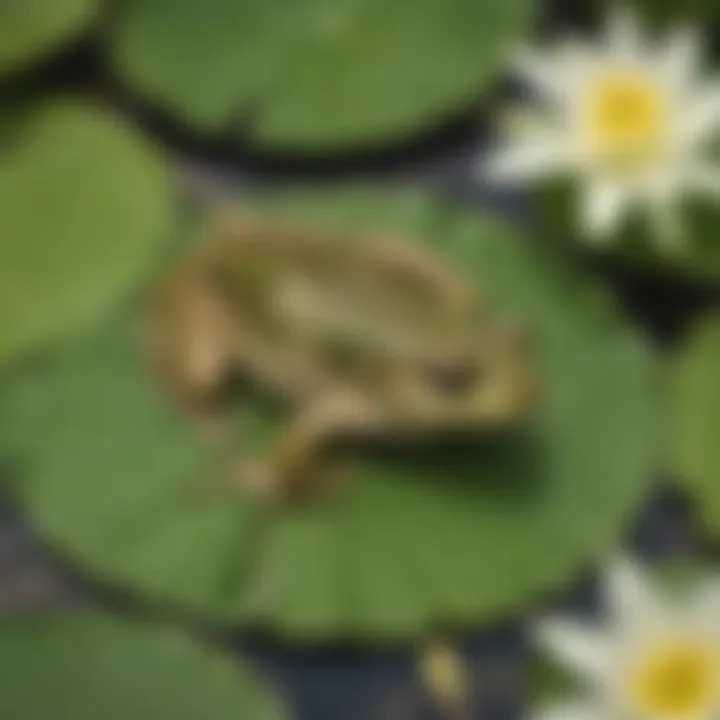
(298, 468)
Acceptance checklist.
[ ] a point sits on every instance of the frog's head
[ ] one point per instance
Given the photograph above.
(485, 379)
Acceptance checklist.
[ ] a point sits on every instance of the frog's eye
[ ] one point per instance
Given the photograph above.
(453, 378)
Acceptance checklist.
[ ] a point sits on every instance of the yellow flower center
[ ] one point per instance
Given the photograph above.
(624, 119)
(676, 678)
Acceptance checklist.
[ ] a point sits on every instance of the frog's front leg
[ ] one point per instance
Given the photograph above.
(189, 341)
(297, 466)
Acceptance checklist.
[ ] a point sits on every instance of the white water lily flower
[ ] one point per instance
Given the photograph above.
(653, 660)
(631, 120)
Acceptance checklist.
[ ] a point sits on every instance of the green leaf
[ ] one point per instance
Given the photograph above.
(86, 667)
(119, 483)
(682, 578)
(315, 75)
(84, 204)
(547, 683)
(694, 418)
(31, 29)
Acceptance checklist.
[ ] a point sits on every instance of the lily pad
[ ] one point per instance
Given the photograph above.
(31, 29)
(695, 259)
(84, 205)
(85, 667)
(694, 419)
(115, 479)
(314, 75)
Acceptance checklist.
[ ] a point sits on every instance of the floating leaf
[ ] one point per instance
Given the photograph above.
(84, 203)
(30, 29)
(313, 75)
(85, 667)
(119, 483)
(694, 418)
(547, 683)
(681, 578)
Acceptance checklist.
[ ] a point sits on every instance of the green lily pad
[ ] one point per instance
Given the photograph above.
(31, 29)
(115, 479)
(314, 75)
(695, 259)
(84, 205)
(694, 419)
(85, 667)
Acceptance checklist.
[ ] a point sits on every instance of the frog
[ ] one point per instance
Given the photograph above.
(350, 334)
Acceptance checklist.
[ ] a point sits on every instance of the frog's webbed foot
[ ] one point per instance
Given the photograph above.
(262, 480)
(298, 468)
(224, 437)
(257, 479)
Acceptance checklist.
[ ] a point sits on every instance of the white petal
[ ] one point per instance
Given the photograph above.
(702, 116)
(605, 204)
(577, 710)
(702, 609)
(633, 604)
(557, 74)
(680, 58)
(702, 177)
(582, 650)
(526, 161)
(541, 71)
(523, 123)
(623, 33)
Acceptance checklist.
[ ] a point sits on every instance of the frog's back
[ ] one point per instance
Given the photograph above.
(332, 289)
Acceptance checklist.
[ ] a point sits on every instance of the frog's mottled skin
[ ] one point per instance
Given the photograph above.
(354, 334)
